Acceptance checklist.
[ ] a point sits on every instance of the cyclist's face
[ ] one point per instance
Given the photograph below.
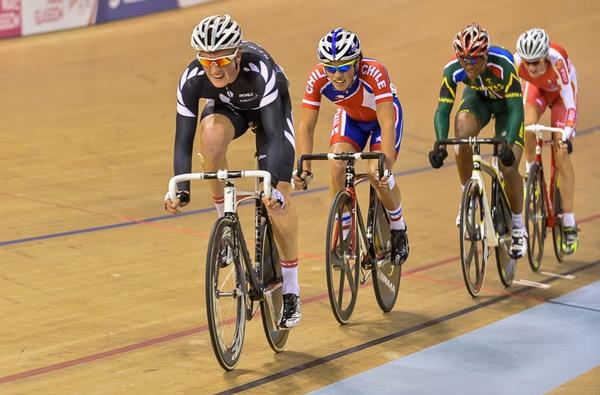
(473, 66)
(340, 75)
(536, 67)
(224, 68)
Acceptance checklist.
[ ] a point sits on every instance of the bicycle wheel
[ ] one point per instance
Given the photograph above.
(507, 266)
(557, 229)
(386, 275)
(271, 306)
(472, 238)
(225, 294)
(535, 216)
(342, 265)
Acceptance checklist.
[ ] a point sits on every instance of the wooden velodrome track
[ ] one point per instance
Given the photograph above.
(101, 293)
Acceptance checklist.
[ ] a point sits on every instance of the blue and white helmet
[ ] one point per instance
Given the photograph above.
(338, 45)
(216, 33)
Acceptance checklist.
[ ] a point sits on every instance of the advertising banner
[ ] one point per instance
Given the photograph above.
(10, 18)
(110, 10)
(189, 3)
(41, 16)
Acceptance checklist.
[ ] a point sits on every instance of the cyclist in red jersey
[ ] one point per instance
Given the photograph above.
(550, 81)
(367, 109)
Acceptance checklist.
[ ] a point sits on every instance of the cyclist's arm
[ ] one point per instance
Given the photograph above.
(305, 134)
(513, 95)
(279, 158)
(567, 94)
(386, 116)
(185, 130)
(441, 119)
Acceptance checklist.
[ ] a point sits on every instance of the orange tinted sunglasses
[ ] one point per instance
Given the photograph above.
(220, 61)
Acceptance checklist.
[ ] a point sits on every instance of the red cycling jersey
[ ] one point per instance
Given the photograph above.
(371, 87)
(557, 87)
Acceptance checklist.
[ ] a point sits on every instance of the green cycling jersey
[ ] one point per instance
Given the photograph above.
(496, 91)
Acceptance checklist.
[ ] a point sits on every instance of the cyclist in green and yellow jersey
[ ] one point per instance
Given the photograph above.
(492, 89)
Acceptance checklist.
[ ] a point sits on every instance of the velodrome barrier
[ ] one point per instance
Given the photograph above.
(26, 17)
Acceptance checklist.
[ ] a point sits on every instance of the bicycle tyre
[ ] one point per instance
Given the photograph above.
(472, 239)
(557, 229)
(342, 264)
(535, 216)
(270, 272)
(386, 275)
(224, 268)
(507, 266)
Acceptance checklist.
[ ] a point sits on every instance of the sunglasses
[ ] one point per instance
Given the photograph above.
(220, 61)
(533, 62)
(342, 68)
(470, 61)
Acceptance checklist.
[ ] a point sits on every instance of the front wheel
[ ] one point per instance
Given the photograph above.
(535, 216)
(271, 306)
(386, 275)
(225, 294)
(342, 264)
(472, 238)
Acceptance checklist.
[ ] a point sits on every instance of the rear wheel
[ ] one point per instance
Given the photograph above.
(386, 275)
(507, 266)
(342, 265)
(472, 238)
(225, 294)
(271, 306)
(535, 216)
(557, 230)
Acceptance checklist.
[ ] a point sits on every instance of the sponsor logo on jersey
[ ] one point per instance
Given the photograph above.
(562, 71)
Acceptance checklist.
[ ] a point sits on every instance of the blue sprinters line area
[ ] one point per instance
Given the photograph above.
(204, 210)
(532, 352)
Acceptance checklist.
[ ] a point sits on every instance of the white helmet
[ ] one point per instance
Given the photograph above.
(533, 44)
(215, 33)
(338, 45)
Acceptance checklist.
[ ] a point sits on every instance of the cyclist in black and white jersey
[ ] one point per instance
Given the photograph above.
(244, 88)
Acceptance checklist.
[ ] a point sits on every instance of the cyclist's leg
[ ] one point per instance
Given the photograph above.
(567, 179)
(390, 197)
(346, 136)
(535, 105)
(471, 117)
(219, 125)
(284, 219)
(513, 183)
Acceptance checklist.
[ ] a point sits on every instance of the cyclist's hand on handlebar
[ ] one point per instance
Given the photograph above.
(506, 155)
(174, 206)
(436, 158)
(565, 146)
(276, 202)
(387, 181)
(301, 182)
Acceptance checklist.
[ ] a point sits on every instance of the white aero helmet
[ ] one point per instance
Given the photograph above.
(216, 33)
(338, 45)
(533, 44)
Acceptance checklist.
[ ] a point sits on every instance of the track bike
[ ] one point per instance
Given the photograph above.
(234, 283)
(543, 203)
(485, 226)
(354, 251)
